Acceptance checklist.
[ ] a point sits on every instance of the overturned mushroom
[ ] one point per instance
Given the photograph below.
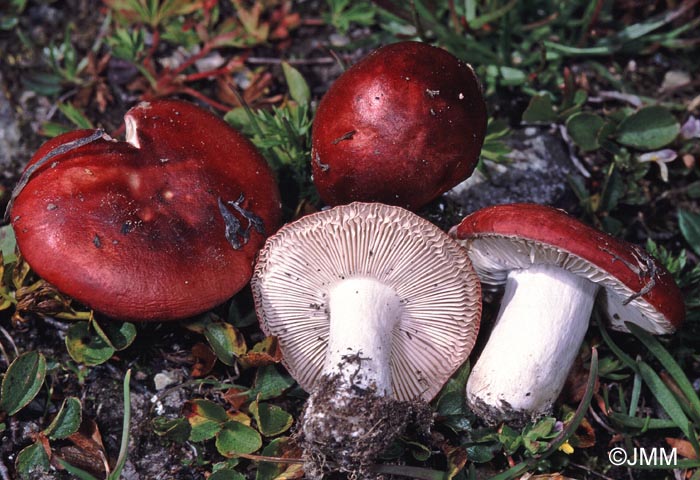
(163, 226)
(374, 309)
(554, 268)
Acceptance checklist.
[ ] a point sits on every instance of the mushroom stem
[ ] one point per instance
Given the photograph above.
(352, 415)
(541, 324)
(360, 355)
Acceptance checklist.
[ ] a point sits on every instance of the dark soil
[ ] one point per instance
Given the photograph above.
(346, 428)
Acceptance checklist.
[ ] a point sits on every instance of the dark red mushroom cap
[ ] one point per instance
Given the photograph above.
(635, 286)
(401, 127)
(135, 229)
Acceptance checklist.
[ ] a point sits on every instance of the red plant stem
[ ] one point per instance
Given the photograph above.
(199, 96)
(208, 46)
(192, 77)
(148, 60)
(591, 24)
(454, 17)
(190, 61)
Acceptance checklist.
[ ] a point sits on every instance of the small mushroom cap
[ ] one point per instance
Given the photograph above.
(635, 286)
(401, 127)
(133, 229)
(432, 275)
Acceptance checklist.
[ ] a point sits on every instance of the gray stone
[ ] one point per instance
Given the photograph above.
(538, 170)
(10, 136)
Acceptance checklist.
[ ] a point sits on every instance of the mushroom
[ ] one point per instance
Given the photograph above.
(401, 127)
(554, 269)
(374, 308)
(163, 226)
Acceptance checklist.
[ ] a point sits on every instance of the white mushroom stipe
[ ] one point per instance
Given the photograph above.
(375, 306)
(353, 401)
(541, 324)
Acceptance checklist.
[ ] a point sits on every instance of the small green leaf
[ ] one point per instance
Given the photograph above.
(22, 381)
(202, 429)
(583, 129)
(86, 346)
(67, 420)
(54, 129)
(689, 224)
(269, 383)
(7, 244)
(276, 448)
(510, 439)
(605, 138)
(32, 460)
(419, 451)
(482, 453)
(119, 335)
(226, 474)
(175, 429)
(205, 418)
(298, 88)
(238, 118)
(649, 128)
(240, 321)
(451, 403)
(235, 438)
(693, 190)
(47, 84)
(540, 110)
(226, 341)
(613, 190)
(76, 117)
(511, 77)
(271, 419)
(208, 409)
(541, 429)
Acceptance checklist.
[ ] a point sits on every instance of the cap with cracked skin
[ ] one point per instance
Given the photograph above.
(402, 126)
(439, 292)
(134, 229)
(636, 288)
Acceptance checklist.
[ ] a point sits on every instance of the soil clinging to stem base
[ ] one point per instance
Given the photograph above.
(345, 428)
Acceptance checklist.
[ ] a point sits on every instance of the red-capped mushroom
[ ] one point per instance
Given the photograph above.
(554, 269)
(163, 226)
(401, 127)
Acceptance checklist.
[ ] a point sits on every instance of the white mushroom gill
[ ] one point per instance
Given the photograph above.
(541, 324)
(363, 314)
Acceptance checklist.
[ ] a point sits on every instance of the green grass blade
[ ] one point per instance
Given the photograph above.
(626, 359)
(672, 367)
(581, 410)
(636, 393)
(124, 447)
(640, 423)
(668, 402)
(665, 398)
(493, 15)
(75, 471)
